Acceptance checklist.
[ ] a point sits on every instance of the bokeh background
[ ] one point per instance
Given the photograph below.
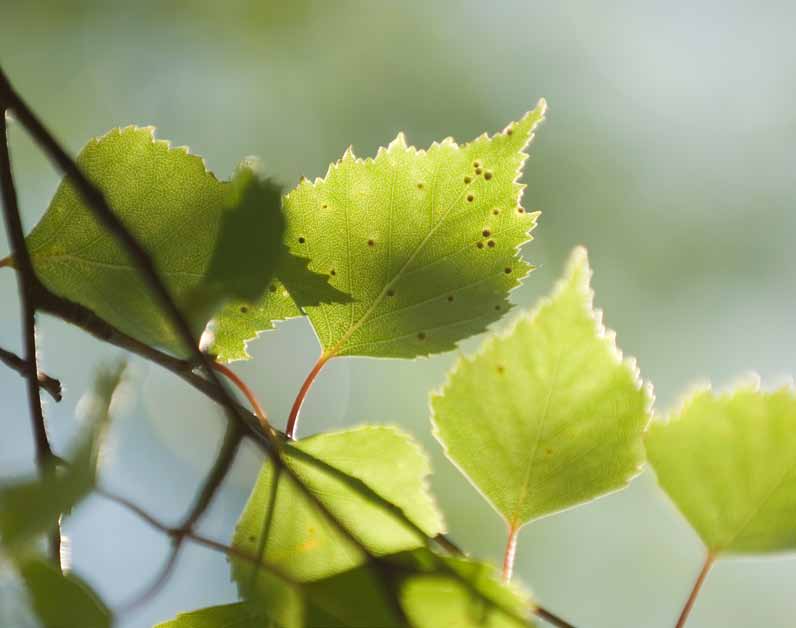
(668, 152)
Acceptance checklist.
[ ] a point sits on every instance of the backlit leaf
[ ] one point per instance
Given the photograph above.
(31, 508)
(242, 320)
(62, 601)
(424, 241)
(548, 414)
(381, 462)
(210, 240)
(728, 461)
(238, 615)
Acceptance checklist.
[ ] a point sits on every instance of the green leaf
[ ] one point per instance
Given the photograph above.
(31, 508)
(547, 415)
(247, 250)
(425, 242)
(728, 461)
(467, 594)
(430, 590)
(353, 472)
(62, 601)
(238, 615)
(210, 240)
(242, 320)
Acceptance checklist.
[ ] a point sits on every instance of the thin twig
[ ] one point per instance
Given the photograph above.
(14, 362)
(292, 421)
(247, 392)
(270, 443)
(154, 522)
(510, 552)
(551, 618)
(689, 603)
(25, 280)
(219, 470)
(99, 207)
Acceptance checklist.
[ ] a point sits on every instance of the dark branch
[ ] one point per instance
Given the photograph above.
(98, 205)
(193, 536)
(552, 619)
(269, 442)
(26, 280)
(50, 384)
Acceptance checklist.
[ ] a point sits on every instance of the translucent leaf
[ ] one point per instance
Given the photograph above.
(425, 242)
(357, 467)
(547, 415)
(238, 615)
(210, 240)
(31, 508)
(62, 601)
(728, 463)
(475, 599)
(430, 591)
(242, 320)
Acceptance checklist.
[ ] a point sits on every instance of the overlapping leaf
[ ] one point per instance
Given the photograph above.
(421, 590)
(62, 601)
(369, 478)
(425, 242)
(211, 241)
(294, 288)
(547, 415)
(239, 615)
(29, 509)
(728, 461)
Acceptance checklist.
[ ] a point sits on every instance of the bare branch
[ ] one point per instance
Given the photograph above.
(194, 536)
(25, 281)
(14, 362)
(212, 386)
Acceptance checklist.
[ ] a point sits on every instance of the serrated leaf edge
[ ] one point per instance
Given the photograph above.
(578, 255)
(538, 112)
(424, 470)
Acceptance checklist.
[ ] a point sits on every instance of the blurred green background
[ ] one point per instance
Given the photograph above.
(668, 152)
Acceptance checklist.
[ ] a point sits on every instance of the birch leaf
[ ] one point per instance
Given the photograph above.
(728, 461)
(425, 241)
(547, 415)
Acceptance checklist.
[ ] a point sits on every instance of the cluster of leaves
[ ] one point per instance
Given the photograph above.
(402, 255)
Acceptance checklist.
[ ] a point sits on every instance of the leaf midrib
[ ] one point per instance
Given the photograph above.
(340, 345)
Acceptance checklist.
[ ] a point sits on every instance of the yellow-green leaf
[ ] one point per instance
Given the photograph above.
(548, 414)
(425, 241)
(389, 471)
(211, 241)
(728, 461)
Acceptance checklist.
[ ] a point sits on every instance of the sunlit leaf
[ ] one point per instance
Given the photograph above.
(31, 508)
(210, 240)
(425, 242)
(62, 601)
(238, 615)
(467, 594)
(728, 461)
(242, 320)
(421, 588)
(548, 414)
(383, 464)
